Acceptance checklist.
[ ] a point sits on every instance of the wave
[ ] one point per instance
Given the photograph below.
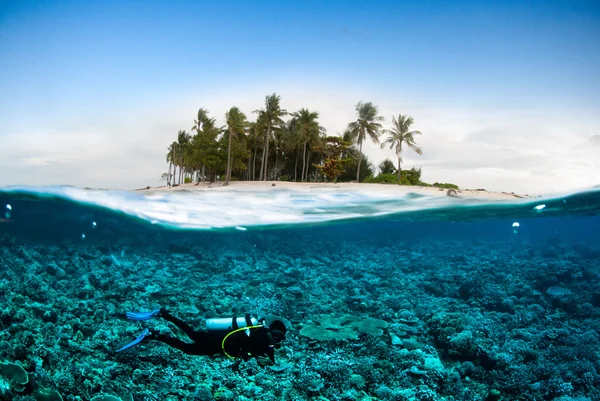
(241, 210)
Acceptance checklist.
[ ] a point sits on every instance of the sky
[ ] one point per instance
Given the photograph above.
(505, 93)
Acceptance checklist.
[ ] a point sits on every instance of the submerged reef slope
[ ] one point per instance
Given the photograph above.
(382, 309)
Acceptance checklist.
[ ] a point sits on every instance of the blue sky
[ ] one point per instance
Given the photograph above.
(91, 88)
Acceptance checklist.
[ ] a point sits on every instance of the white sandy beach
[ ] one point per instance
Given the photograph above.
(265, 186)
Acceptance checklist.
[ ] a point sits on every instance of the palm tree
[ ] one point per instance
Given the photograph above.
(254, 134)
(292, 143)
(270, 116)
(308, 130)
(366, 124)
(387, 167)
(203, 122)
(399, 135)
(204, 141)
(171, 159)
(183, 142)
(236, 124)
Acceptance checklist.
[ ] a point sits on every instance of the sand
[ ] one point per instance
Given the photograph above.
(311, 187)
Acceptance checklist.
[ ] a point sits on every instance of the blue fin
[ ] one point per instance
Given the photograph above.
(135, 342)
(142, 315)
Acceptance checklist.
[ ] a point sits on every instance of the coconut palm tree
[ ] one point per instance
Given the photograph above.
(183, 142)
(236, 124)
(308, 130)
(400, 135)
(204, 142)
(270, 116)
(366, 124)
(253, 135)
(203, 122)
(171, 160)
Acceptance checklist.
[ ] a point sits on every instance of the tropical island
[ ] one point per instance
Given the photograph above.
(291, 147)
(298, 149)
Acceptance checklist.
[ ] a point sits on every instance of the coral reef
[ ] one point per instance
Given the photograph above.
(385, 309)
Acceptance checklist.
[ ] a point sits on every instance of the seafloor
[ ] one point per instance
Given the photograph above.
(382, 309)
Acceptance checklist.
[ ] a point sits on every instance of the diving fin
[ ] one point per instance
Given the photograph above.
(142, 315)
(135, 342)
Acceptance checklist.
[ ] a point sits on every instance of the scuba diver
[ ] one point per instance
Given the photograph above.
(238, 337)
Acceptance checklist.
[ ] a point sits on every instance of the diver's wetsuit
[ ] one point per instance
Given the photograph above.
(238, 344)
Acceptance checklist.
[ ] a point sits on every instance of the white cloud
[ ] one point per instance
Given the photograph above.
(525, 151)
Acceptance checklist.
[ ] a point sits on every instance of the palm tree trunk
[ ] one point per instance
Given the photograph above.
(254, 161)
(296, 168)
(359, 161)
(399, 171)
(307, 165)
(276, 160)
(181, 170)
(267, 151)
(228, 172)
(203, 172)
(262, 165)
(169, 175)
(303, 161)
(248, 171)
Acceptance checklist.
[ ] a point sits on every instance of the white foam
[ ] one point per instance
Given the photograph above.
(238, 210)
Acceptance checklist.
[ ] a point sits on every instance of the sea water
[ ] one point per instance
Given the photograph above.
(386, 297)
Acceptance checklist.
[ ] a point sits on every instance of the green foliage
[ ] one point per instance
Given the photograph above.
(332, 149)
(296, 150)
(383, 179)
(409, 177)
(387, 167)
(350, 167)
(445, 185)
(413, 176)
(187, 180)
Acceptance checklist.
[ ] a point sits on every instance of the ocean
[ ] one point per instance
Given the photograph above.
(385, 297)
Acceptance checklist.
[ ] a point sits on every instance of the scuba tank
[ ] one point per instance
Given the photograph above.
(230, 323)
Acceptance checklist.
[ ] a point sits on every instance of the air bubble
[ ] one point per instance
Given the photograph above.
(539, 207)
(94, 225)
(82, 236)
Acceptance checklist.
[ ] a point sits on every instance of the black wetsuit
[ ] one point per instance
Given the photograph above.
(240, 344)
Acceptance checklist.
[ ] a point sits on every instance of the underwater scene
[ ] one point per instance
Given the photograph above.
(379, 297)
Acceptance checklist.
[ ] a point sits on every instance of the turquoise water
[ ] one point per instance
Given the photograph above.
(451, 300)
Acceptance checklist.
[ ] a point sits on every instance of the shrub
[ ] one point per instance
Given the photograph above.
(387, 167)
(284, 178)
(383, 179)
(187, 180)
(413, 176)
(445, 185)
